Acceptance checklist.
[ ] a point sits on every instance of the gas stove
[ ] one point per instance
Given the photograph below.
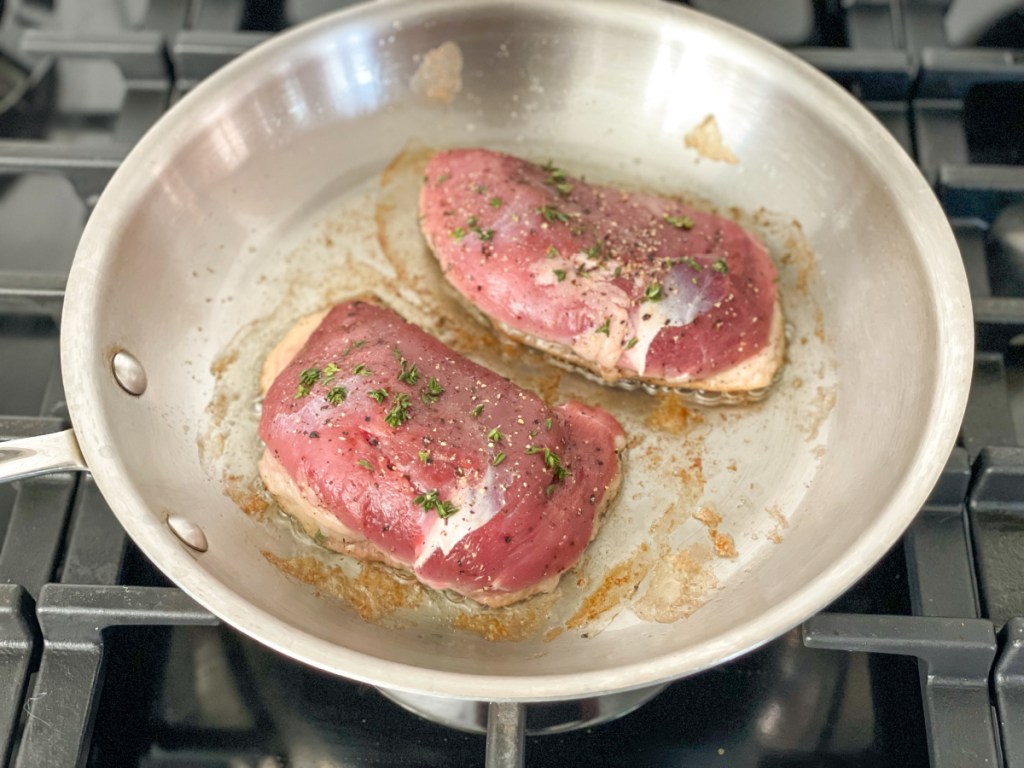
(104, 663)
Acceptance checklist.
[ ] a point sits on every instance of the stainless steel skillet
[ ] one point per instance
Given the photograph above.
(223, 188)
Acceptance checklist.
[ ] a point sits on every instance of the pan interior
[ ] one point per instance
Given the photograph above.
(261, 198)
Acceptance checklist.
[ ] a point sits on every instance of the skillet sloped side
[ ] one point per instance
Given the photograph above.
(211, 194)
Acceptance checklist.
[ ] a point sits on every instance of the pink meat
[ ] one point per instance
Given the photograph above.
(517, 518)
(633, 283)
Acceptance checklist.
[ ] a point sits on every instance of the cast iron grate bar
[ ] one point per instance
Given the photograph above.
(197, 53)
(997, 526)
(988, 419)
(87, 168)
(970, 237)
(878, 75)
(40, 292)
(140, 56)
(924, 23)
(946, 79)
(1008, 683)
(13, 427)
(96, 540)
(36, 531)
(954, 659)
(950, 74)
(939, 535)
(997, 319)
(67, 687)
(17, 640)
(980, 191)
(874, 24)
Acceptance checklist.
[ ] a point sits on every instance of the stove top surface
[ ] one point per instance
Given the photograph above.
(104, 663)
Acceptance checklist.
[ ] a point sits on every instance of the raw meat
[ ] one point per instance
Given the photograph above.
(631, 286)
(386, 444)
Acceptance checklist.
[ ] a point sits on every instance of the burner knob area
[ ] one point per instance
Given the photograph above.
(1006, 252)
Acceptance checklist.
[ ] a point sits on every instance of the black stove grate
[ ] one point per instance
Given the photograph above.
(102, 663)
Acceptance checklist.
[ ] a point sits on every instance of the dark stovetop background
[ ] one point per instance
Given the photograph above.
(100, 658)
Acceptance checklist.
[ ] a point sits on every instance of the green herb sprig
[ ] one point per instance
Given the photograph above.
(680, 222)
(551, 214)
(336, 395)
(432, 392)
(307, 379)
(409, 374)
(432, 501)
(399, 413)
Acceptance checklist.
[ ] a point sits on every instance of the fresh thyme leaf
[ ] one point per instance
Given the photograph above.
(680, 222)
(426, 500)
(495, 435)
(336, 395)
(307, 379)
(653, 292)
(498, 458)
(495, 202)
(362, 370)
(692, 263)
(720, 266)
(365, 465)
(458, 233)
(425, 457)
(559, 274)
(632, 342)
(547, 424)
(478, 410)
(399, 413)
(605, 327)
(319, 537)
(552, 214)
(354, 345)
(431, 500)
(484, 234)
(380, 395)
(432, 392)
(409, 374)
(551, 460)
(552, 252)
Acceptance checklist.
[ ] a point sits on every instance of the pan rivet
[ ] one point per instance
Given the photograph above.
(190, 534)
(129, 373)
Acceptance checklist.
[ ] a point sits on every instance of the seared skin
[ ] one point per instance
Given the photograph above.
(509, 489)
(629, 285)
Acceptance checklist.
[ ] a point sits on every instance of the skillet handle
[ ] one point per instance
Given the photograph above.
(42, 455)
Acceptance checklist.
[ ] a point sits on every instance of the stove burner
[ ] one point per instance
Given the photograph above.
(541, 718)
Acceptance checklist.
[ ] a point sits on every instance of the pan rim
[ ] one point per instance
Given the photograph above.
(953, 353)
